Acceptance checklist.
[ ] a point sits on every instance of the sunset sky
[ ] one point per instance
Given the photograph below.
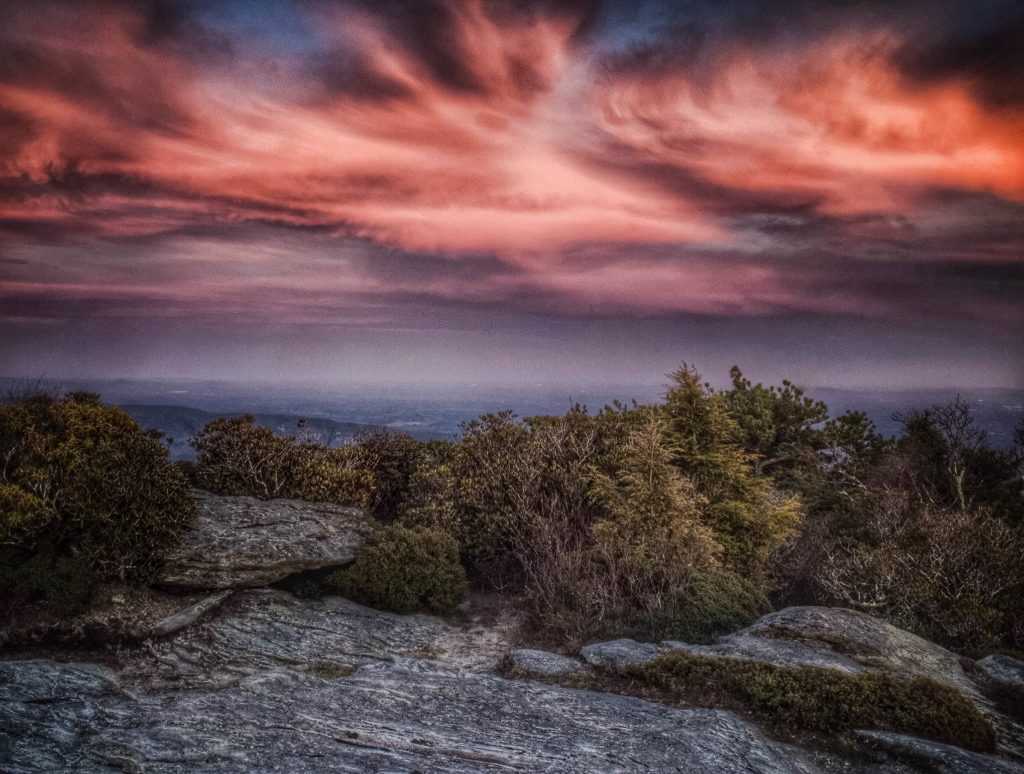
(473, 191)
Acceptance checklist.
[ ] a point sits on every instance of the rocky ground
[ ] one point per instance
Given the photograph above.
(256, 679)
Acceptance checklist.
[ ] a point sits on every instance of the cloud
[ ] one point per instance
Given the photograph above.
(552, 158)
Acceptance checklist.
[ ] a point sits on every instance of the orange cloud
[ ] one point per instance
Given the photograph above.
(835, 119)
(523, 143)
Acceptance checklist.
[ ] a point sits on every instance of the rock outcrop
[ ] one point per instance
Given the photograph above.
(771, 651)
(238, 542)
(938, 757)
(403, 716)
(619, 654)
(1003, 671)
(864, 639)
(267, 628)
(540, 663)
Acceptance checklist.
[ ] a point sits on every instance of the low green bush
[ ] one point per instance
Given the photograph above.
(405, 569)
(82, 482)
(825, 701)
(238, 457)
(717, 602)
(64, 583)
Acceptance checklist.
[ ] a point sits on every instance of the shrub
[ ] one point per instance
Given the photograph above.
(83, 479)
(319, 474)
(392, 459)
(405, 569)
(716, 602)
(825, 701)
(750, 517)
(951, 575)
(238, 457)
(65, 583)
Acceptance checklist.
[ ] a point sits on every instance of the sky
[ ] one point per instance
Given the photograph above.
(486, 191)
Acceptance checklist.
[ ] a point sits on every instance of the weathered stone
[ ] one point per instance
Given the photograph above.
(776, 652)
(264, 628)
(865, 640)
(188, 616)
(237, 542)
(938, 757)
(48, 681)
(407, 716)
(1004, 671)
(541, 663)
(619, 654)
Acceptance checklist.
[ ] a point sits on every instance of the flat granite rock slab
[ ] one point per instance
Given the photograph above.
(239, 542)
(263, 628)
(404, 716)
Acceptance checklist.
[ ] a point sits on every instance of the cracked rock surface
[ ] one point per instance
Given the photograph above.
(405, 715)
(240, 542)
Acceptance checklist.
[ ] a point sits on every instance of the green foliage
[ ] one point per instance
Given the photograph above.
(328, 670)
(405, 569)
(716, 602)
(750, 517)
(238, 457)
(65, 583)
(22, 514)
(392, 459)
(319, 474)
(775, 423)
(83, 479)
(825, 701)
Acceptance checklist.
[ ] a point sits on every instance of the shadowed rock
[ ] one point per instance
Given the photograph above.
(1004, 671)
(237, 542)
(938, 757)
(407, 716)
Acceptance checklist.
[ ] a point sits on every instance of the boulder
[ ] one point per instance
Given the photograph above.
(775, 652)
(619, 654)
(237, 542)
(1003, 671)
(540, 663)
(938, 757)
(865, 640)
(404, 716)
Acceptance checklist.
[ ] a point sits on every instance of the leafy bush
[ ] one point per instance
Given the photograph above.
(751, 518)
(405, 569)
(83, 492)
(66, 584)
(392, 459)
(319, 474)
(238, 457)
(951, 575)
(823, 700)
